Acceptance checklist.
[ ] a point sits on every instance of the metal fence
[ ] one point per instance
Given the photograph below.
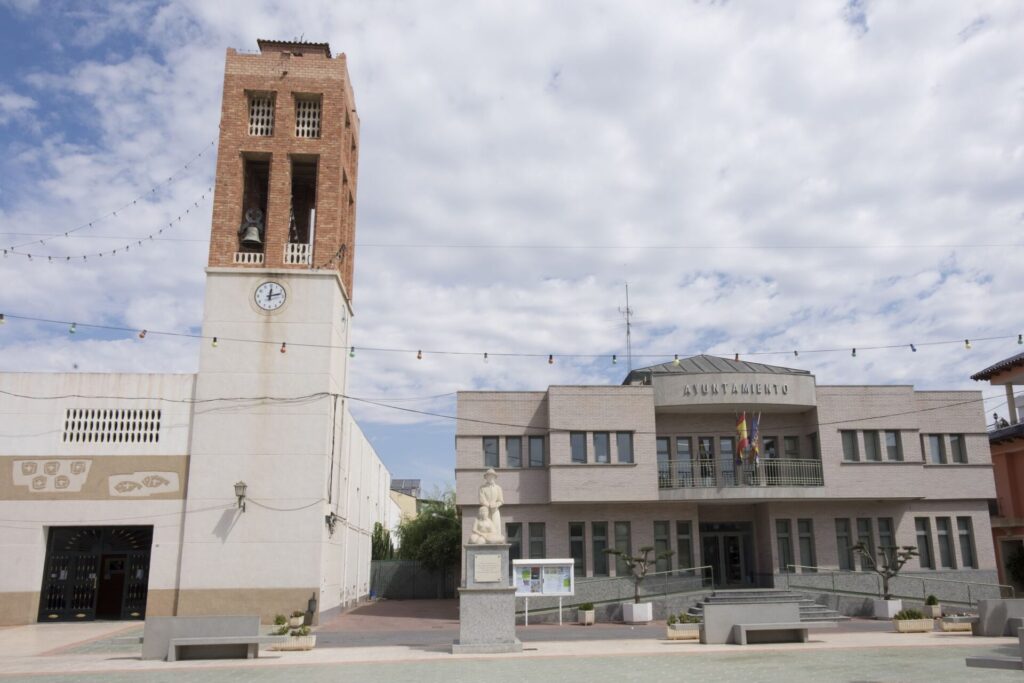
(710, 473)
(409, 580)
(616, 589)
(906, 586)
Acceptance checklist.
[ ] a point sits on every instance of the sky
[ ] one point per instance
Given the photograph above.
(767, 178)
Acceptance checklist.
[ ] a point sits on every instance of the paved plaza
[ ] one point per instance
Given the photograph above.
(408, 641)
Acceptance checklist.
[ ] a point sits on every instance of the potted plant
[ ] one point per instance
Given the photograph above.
(932, 608)
(891, 561)
(298, 617)
(301, 639)
(585, 613)
(912, 621)
(637, 612)
(280, 620)
(958, 622)
(683, 627)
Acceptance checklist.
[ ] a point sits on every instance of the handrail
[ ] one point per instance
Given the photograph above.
(597, 579)
(822, 571)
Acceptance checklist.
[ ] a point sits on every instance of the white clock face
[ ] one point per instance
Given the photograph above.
(270, 296)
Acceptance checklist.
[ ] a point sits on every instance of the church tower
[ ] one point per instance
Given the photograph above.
(269, 409)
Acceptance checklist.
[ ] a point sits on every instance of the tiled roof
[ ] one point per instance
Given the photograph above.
(295, 43)
(1005, 364)
(704, 364)
(1011, 433)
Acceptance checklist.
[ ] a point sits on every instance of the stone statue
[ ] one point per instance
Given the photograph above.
(490, 501)
(483, 530)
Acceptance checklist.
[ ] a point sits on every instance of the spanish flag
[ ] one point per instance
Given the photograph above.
(741, 433)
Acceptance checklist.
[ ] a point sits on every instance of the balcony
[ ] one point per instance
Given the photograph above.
(726, 472)
(298, 254)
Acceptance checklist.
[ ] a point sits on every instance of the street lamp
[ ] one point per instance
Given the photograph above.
(240, 494)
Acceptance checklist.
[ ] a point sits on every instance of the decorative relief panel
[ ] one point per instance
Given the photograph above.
(142, 484)
(51, 476)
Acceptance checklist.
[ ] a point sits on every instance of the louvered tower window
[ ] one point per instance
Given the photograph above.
(307, 117)
(261, 114)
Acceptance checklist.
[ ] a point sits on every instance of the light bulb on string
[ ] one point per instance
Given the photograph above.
(73, 328)
(2, 319)
(142, 334)
(551, 359)
(615, 359)
(675, 361)
(419, 355)
(213, 343)
(796, 354)
(967, 344)
(854, 352)
(913, 348)
(485, 356)
(736, 357)
(1020, 339)
(283, 345)
(352, 352)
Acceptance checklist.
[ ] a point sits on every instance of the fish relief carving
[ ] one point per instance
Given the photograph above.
(51, 467)
(155, 480)
(127, 486)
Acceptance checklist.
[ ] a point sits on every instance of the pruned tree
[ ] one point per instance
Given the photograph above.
(639, 565)
(381, 547)
(892, 559)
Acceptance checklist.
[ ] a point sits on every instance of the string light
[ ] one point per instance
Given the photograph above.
(615, 359)
(967, 344)
(142, 334)
(736, 357)
(1020, 339)
(675, 361)
(551, 359)
(2, 319)
(214, 343)
(796, 353)
(419, 355)
(913, 348)
(283, 345)
(854, 352)
(485, 356)
(352, 352)
(73, 328)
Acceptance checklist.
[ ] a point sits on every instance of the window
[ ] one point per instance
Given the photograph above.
(785, 545)
(684, 461)
(770, 444)
(599, 539)
(805, 533)
(255, 188)
(924, 542)
(624, 444)
(537, 549)
(601, 447)
(514, 538)
(936, 449)
(706, 450)
(843, 545)
(815, 452)
(850, 453)
(872, 447)
(662, 544)
(536, 451)
(261, 114)
(307, 116)
(965, 528)
(945, 533)
(684, 545)
(865, 536)
(622, 544)
(664, 467)
(886, 539)
(490, 451)
(303, 211)
(791, 446)
(893, 451)
(513, 451)
(578, 548)
(578, 445)
(957, 448)
(727, 448)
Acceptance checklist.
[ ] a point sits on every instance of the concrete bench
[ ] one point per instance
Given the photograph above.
(1012, 663)
(219, 647)
(782, 632)
(160, 631)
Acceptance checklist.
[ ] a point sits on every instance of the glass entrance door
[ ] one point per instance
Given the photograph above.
(728, 548)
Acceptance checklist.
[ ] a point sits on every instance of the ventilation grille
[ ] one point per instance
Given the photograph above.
(261, 115)
(307, 118)
(111, 426)
(298, 254)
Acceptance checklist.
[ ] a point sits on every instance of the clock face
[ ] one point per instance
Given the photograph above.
(270, 296)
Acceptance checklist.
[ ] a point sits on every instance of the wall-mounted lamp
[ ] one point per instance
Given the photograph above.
(240, 488)
(332, 521)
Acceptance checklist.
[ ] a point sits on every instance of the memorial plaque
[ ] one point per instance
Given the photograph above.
(487, 568)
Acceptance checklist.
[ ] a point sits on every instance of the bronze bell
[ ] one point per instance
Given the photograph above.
(251, 237)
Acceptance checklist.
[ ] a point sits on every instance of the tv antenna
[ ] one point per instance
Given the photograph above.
(627, 313)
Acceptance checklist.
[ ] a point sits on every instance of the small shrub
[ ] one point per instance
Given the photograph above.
(283, 631)
(279, 619)
(672, 619)
(298, 613)
(304, 631)
(909, 614)
(686, 618)
(586, 607)
(931, 600)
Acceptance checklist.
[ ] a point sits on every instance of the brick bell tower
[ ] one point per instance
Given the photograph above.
(270, 411)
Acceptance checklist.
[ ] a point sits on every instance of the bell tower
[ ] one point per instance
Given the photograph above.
(270, 408)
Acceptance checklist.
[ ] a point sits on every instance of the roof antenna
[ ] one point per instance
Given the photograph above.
(627, 312)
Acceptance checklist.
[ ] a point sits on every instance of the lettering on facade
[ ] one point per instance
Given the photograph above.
(743, 389)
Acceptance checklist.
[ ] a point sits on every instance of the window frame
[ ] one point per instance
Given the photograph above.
(622, 545)
(872, 446)
(578, 447)
(957, 449)
(496, 452)
(684, 539)
(533, 439)
(606, 458)
(851, 450)
(844, 555)
(944, 538)
(968, 555)
(515, 461)
(810, 558)
(784, 544)
(898, 446)
(627, 439)
(925, 549)
(598, 544)
(536, 538)
(580, 561)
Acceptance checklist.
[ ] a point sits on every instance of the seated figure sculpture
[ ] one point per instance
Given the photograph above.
(483, 530)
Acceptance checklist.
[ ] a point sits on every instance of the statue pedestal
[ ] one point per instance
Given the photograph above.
(487, 603)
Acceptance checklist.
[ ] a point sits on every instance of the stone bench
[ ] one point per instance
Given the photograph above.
(782, 632)
(992, 662)
(219, 647)
(161, 631)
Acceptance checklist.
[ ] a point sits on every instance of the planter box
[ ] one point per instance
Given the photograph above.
(682, 631)
(297, 643)
(957, 623)
(637, 612)
(585, 616)
(933, 611)
(913, 625)
(296, 622)
(886, 609)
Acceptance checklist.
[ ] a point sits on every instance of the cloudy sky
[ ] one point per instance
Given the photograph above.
(766, 176)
